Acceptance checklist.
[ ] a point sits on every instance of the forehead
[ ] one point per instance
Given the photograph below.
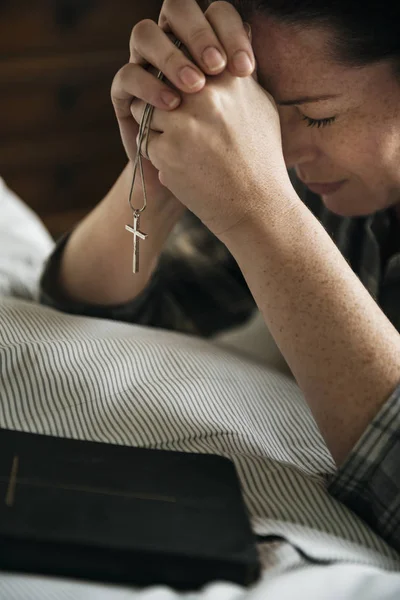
(296, 61)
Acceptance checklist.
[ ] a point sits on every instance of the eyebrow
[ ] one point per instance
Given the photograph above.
(308, 99)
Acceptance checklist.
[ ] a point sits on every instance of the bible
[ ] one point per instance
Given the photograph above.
(121, 514)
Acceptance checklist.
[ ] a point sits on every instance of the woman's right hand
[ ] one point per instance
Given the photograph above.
(218, 34)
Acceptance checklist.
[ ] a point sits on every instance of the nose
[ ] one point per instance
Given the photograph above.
(298, 140)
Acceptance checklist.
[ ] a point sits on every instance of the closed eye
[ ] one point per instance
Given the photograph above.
(318, 122)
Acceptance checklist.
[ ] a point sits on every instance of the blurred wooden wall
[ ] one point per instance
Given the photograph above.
(60, 148)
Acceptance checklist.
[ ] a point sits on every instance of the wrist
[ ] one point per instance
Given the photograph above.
(271, 217)
(96, 266)
(162, 206)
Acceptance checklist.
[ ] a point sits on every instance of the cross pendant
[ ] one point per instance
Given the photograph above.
(136, 234)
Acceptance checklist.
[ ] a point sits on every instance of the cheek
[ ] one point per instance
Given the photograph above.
(388, 154)
(359, 147)
(368, 159)
(351, 150)
(371, 153)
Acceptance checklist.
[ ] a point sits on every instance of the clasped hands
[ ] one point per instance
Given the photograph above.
(218, 148)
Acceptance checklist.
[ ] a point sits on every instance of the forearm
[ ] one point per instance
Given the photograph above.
(96, 266)
(342, 349)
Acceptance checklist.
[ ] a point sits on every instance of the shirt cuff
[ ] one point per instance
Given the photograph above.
(51, 295)
(369, 480)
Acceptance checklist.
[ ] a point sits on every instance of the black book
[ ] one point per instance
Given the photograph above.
(115, 513)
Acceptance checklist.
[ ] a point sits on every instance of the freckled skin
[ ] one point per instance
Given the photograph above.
(343, 351)
(362, 145)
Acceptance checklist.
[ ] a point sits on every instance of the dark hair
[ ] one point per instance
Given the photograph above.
(364, 31)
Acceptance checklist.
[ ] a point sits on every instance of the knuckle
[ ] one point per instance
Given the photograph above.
(219, 5)
(170, 6)
(127, 83)
(199, 35)
(141, 30)
(166, 5)
(220, 10)
(125, 74)
(213, 99)
(120, 97)
(210, 92)
(169, 59)
(117, 79)
(169, 9)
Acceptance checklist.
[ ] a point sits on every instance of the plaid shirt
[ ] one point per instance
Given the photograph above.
(199, 289)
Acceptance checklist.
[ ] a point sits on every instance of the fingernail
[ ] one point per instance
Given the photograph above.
(190, 77)
(242, 62)
(213, 59)
(169, 98)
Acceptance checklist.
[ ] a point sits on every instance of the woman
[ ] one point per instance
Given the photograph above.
(326, 104)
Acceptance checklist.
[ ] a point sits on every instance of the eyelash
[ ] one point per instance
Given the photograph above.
(318, 122)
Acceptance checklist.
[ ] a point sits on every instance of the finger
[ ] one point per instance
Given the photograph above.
(220, 27)
(230, 29)
(188, 22)
(154, 46)
(148, 144)
(158, 117)
(137, 59)
(132, 81)
(142, 146)
(137, 107)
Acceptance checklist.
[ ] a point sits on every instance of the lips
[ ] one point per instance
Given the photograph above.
(325, 188)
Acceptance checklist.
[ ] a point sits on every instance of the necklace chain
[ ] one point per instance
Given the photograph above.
(144, 129)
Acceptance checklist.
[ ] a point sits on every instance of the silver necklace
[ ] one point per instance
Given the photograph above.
(144, 129)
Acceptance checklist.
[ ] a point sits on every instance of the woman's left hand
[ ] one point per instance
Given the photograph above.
(220, 152)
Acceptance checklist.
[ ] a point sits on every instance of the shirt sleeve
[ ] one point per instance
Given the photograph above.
(369, 480)
(197, 287)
